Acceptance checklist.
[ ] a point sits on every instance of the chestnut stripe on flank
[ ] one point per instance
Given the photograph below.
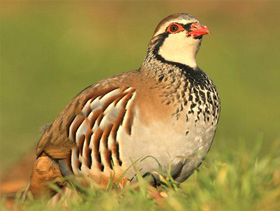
(80, 165)
(68, 161)
(106, 134)
(120, 97)
(88, 151)
(92, 96)
(130, 115)
(110, 101)
(76, 126)
(92, 99)
(129, 121)
(96, 144)
(108, 158)
(106, 153)
(88, 139)
(88, 157)
(80, 144)
(70, 120)
(96, 139)
(88, 111)
(117, 123)
(127, 98)
(116, 153)
(94, 117)
(78, 162)
(107, 91)
(100, 117)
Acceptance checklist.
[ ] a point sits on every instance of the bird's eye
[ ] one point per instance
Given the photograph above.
(174, 28)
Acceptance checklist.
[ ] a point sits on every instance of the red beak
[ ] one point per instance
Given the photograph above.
(198, 30)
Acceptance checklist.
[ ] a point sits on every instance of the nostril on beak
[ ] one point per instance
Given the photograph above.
(195, 26)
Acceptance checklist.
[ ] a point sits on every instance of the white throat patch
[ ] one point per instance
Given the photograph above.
(179, 48)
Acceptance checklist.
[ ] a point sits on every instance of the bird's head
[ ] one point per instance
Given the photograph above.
(177, 39)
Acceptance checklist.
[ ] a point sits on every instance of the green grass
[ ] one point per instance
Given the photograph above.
(236, 181)
(50, 51)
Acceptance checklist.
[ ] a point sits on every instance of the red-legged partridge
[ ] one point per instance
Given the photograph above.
(166, 113)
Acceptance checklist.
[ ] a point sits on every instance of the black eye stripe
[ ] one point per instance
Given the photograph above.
(187, 26)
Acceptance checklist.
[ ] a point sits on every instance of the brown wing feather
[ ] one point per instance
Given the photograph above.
(56, 141)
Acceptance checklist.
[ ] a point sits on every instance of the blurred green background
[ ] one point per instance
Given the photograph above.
(52, 50)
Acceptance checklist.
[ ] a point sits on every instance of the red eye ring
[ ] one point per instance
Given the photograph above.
(175, 28)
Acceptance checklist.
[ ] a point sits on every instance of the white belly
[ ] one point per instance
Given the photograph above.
(171, 144)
